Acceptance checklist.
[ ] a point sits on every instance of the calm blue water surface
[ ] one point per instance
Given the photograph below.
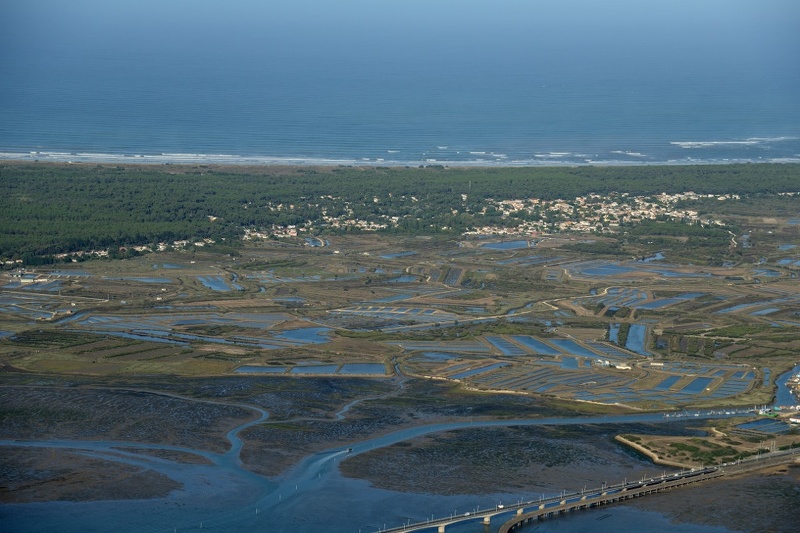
(506, 245)
(305, 335)
(535, 345)
(784, 395)
(363, 368)
(637, 335)
(697, 385)
(397, 82)
(312, 496)
(215, 283)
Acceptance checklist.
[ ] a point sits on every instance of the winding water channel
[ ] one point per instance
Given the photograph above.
(313, 496)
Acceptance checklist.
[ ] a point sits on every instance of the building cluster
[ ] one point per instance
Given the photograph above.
(590, 213)
(594, 212)
(161, 247)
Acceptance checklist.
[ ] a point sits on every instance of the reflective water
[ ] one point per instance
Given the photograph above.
(784, 395)
(251, 369)
(215, 283)
(312, 497)
(363, 369)
(506, 245)
(637, 335)
(305, 335)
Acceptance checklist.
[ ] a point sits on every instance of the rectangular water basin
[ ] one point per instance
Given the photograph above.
(764, 311)
(507, 245)
(305, 335)
(215, 283)
(573, 348)
(667, 383)
(371, 369)
(766, 425)
(398, 254)
(636, 339)
(697, 385)
(607, 270)
(536, 346)
(658, 304)
(250, 369)
(315, 369)
(476, 371)
(505, 347)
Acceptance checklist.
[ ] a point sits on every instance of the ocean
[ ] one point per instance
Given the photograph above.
(401, 83)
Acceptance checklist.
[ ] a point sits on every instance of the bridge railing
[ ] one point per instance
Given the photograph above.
(499, 509)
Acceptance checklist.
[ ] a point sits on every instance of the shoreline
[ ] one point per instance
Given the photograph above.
(277, 161)
(649, 453)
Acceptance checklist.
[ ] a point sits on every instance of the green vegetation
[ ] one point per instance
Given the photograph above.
(452, 288)
(741, 330)
(622, 336)
(601, 248)
(48, 209)
(51, 339)
(707, 452)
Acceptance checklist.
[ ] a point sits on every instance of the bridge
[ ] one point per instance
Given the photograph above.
(565, 502)
(544, 508)
(627, 492)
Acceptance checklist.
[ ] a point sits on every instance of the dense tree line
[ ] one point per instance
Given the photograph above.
(52, 208)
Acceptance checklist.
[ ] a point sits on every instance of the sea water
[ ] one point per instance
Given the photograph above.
(392, 83)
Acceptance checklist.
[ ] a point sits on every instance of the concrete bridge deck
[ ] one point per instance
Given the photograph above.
(636, 490)
(531, 511)
(571, 501)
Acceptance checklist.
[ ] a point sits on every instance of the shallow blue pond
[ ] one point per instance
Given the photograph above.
(697, 385)
(506, 245)
(768, 272)
(250, 369)
(145, 280)
(505, 347)
(569, 362)
(607, 270)
(658, 304)
(765, 311)
(305, 335)
(363, 368)
(476, 371)
(406, 278)
(398, 254)
(573, 348)
(636, 339)
(613, 333)
(394, 298)
(315, 369)
(766, 425)
(535, 345)
(215, 283)
(667, 383)
(690, 295)
(438, 356)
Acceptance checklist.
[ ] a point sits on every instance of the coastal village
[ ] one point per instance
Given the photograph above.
(593, 213)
